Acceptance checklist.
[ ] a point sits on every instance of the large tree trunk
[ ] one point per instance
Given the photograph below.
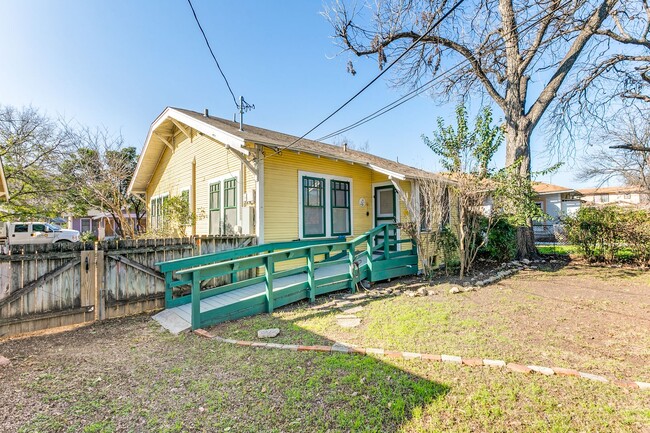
(518, 131)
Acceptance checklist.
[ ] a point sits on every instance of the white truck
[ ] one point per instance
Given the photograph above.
(21, 233)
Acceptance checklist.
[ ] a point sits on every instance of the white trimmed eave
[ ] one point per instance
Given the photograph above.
(566, 191)
(391, 174)
(143, 174)
(387, 172)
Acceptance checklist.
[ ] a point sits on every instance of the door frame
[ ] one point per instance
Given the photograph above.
(398, 206)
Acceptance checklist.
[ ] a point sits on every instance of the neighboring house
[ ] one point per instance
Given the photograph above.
(265, 183)
(556, 201)
(619, 195)
(102, 224)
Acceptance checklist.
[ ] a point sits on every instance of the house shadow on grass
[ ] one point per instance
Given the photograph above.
(331, 391)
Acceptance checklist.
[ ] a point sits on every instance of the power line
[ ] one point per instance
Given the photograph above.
(205, 38)
(363, 89)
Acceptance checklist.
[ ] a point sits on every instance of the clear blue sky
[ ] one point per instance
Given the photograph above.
(119, 63)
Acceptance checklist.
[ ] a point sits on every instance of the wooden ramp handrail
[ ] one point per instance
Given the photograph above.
(264, 258)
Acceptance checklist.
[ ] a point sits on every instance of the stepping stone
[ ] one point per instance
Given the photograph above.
(340, 347)
(4, 361)
(343, 303)
(345, 316)
(356, 296)
(325, 306)
(352, 310)
(350, 322)
(268, 333)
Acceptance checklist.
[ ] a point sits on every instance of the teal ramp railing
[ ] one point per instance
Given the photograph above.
(368, 256)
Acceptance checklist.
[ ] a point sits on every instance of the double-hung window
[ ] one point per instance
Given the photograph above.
(223, 206)
(313, 206)
(215, 208)
(340, 203)
(157, 206)
(325, 205)
(185, 197)
(229, 205)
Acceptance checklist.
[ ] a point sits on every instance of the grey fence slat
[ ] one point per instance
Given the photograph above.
(40, 285)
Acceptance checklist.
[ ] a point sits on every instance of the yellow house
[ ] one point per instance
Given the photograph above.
(254, 181)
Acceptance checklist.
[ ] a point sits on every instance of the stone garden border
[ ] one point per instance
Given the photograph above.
(470, 362)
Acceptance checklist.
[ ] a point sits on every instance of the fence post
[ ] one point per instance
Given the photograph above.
(196, 301)
(311, 278)
(268, 276)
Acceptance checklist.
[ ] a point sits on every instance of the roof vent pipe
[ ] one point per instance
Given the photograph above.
(345, 146)
(205, 113)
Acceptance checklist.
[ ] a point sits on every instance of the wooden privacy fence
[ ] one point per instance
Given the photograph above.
(53, 285)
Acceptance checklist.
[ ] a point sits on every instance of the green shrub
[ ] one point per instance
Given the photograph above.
(610, 233)
(87, 237)
(502, 241)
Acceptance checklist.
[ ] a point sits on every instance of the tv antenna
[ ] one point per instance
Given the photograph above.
(244, 107)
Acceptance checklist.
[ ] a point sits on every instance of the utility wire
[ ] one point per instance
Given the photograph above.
(205, 38)
(363, 89)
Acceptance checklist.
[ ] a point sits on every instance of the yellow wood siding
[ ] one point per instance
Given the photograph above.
(174, 173)
(281, 191)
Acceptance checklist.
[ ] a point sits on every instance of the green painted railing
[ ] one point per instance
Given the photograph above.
(380, 263)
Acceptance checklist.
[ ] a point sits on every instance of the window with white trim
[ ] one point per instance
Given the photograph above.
(313, 206)
(215, 208)
(229, 205)
(224, 203)
(325, 205)
(340, 204)
(157, 207)
(185, 196)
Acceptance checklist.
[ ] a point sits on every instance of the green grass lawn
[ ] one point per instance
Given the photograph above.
(127, 375)
(563, 250)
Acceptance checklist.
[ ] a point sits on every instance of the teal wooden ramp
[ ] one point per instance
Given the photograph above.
(305, 269)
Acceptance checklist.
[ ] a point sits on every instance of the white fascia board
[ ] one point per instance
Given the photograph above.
(388, 173)
(556, 192)
(209, 130)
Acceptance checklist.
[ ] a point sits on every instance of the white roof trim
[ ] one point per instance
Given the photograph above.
(203, 127)
(564, 191)
(388, 173)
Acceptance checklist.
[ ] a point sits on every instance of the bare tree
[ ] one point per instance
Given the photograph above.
(99, 174)
(613, 79)
(32, 146)
(504, 46)
(620, 154)
(427, 214)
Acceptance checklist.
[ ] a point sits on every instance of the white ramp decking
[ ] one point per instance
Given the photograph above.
(179, 319)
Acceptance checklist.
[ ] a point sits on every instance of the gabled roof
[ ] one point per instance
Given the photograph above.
(228, 133)
(543, 188)
(611, 190)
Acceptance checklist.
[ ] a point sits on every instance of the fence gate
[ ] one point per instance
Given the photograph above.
(53, 285)
(92, 282)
